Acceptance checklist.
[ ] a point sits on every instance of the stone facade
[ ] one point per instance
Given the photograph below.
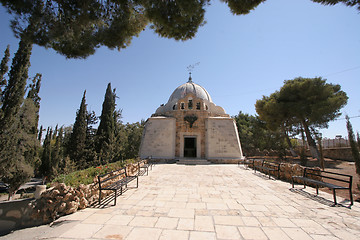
(190, 125)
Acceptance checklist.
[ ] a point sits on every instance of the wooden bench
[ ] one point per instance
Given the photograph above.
(268, 168)
(114, 181)
(316, 178)
(246, 162)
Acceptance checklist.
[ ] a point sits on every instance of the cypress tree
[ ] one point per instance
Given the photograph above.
(90, 151)
(106, 129)
(15, 90)
(3, 70)
(46, 161)
(15, 141)
(33, 95)
(77, 143)
(353, 145)
(57, 152)
(40, 133)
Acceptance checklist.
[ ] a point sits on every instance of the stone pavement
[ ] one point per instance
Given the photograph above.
(208, 202)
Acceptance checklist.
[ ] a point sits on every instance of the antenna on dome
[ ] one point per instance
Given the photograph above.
(190, 68)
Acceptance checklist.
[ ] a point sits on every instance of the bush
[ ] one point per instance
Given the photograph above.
(87, 176)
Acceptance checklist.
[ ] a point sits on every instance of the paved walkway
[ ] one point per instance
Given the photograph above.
(208, 202)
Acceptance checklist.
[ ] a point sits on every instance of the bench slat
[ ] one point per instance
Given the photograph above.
(317, 182)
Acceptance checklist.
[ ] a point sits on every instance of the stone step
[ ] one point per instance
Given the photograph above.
(193, 162)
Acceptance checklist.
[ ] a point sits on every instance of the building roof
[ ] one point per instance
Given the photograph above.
(189, 87)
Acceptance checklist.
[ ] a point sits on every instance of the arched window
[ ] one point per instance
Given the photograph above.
(174, 107)
(182, 105)
(190, 104)
(198, 106)
(206, 107)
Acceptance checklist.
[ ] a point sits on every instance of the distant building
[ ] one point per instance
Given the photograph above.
(191, 126)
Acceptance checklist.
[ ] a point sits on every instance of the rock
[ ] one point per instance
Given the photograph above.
(54, 193)
(71, 207)
(62, 207)
(67, 197)
(83, 203)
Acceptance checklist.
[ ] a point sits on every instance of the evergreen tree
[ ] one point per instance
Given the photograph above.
(77, 28)
(33, 95)
(15, 89)
(40, 133)
(353, 145)
(90, 151)
(106, 130)
(77, 143)
(3, 70)
(307, 102)
(46, 161)
(57, 153)
(134, 134)
(16, 141)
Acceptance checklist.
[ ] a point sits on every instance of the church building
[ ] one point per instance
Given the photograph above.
(191, 127)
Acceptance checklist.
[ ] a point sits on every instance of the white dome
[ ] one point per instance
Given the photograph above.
(185, 89)
(189, 87)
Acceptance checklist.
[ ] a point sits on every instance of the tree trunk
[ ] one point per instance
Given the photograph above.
(312, 144)
(293, 153)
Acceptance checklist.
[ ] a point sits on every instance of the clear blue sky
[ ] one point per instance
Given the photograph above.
(241, 59)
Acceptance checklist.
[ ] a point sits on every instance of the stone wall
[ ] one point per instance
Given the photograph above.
(222, 139)
(16, 214)
(56, 201)
(158, 138)
(336, 153)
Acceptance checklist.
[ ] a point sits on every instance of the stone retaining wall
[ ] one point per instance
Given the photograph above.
(56, 201)
(336, 153)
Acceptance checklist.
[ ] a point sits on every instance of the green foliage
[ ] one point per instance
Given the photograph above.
(350, 3)
(46, 160)
(242, 7)
(3, 70)
(33, 95)
(178, 19)
(77, 143)
(86, 176)
(19, 146)
(105, 133)
(254, 135)
(307, 103)
(15, 89)
(133, 134)
(77, 28)
(353, 145)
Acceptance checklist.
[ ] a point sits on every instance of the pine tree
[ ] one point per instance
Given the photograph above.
(353, 145)
(77, 141)
(106, 130)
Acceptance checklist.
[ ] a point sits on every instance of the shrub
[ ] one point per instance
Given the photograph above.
(87, 176)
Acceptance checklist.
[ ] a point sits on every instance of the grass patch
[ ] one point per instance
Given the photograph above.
(86, 176)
